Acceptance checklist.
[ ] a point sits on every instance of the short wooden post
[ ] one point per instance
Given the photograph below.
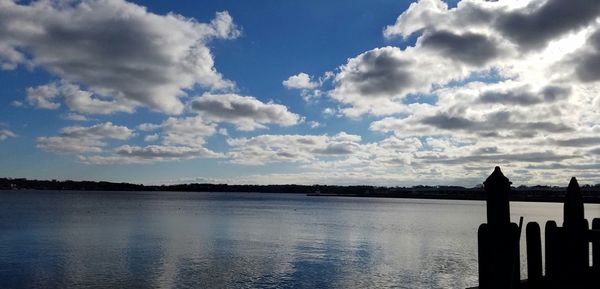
(534, 255)
(552, 250)
(484, 257)
(596, 249)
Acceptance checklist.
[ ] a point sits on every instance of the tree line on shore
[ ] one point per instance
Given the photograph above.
(591, 193)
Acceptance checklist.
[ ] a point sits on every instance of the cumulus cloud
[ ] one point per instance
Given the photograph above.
(181, 139)
(517, 40)
(245, 112)
(115, 49)
(471, 48)
(300, 81)
(43, 96)
(587, 58)
(78, 100)
(80, 139)
(128, 154)
(169, 152)
(151, 137)
(340, 152)
(534, 25)
(290, 148)
(483, 82)
(188, 131)
(521, 96)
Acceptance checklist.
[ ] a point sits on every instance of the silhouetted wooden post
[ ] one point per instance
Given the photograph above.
(498, 239)
(573, 213)
(483, 249)
(534, 255)
(552, 252)
(496, 188)
(576, 250)
(596, 249)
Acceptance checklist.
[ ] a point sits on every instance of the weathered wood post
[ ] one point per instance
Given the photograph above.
(553, 252)
(534, 256)
(596, 249)
(497, 187)
(576, 246)
(499, 266)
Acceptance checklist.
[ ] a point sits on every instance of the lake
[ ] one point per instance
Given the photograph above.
(51, 239)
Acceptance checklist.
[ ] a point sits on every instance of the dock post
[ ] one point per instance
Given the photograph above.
(499, 262)
(534, 255)
(574, 243)
(596, 249)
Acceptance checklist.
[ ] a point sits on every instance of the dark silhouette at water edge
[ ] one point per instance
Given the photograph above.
(567, 248)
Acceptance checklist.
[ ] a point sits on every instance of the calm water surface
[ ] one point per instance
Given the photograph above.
(217, 240)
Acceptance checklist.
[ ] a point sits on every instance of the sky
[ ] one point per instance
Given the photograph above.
(379, 92)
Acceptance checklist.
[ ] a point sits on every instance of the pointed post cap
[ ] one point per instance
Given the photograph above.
(573, 210)
(496, 178)
(497, 187)
(573, 186)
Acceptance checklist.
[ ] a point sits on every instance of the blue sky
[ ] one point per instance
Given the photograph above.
(298, 92)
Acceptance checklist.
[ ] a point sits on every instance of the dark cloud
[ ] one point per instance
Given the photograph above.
(537, 24)
(524, 97)
(247, 113)
(578, 142)
(530, 157)
(444, 121)
(471, 48)
(380, 73)
(587, 62)
(494, 122)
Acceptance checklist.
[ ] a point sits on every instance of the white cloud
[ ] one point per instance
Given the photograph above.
(43, 96)
(5, 134)
(151, 137)
(65, 145)
(17, 103)
(74, 117)
(290, 148)
(188, 131)
(152, 59)
(245, 112)
(79, 139)
(149, 154)
(314, 124)
(300, 81)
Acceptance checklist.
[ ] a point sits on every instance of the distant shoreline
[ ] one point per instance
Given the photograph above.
(513, 197)
(591, 194)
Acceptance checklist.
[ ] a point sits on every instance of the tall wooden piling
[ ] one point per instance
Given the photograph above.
(574, 243)
(497, 187)
(499, 264)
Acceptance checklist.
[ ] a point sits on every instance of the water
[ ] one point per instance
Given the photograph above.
(217, 240)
